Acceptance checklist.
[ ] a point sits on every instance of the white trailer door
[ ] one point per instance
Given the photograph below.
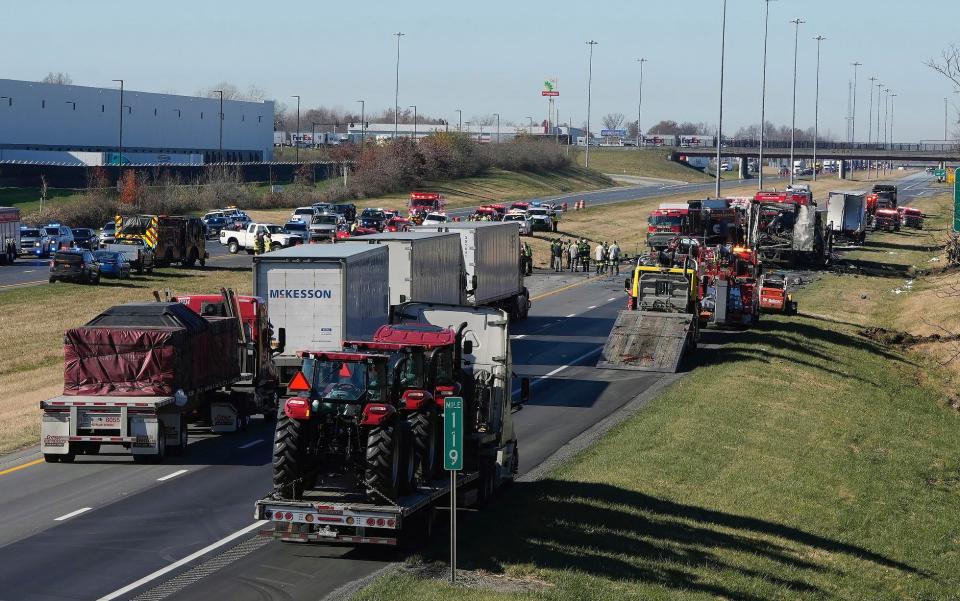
(308, 302)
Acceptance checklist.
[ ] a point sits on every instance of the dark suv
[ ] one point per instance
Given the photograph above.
(74, 266)
(347, 210)
(84, 237)
(373, 219)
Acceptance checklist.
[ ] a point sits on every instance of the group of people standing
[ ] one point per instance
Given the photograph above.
(574, 255)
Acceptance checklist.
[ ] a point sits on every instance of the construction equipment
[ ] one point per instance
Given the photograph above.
(774, 294)
(661, 322)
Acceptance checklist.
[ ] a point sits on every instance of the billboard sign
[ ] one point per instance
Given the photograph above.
(613, 133)
(550, 88)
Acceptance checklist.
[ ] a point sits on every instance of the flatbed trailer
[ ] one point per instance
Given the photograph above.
(336, 516)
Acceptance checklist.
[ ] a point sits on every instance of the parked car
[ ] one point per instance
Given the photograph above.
(541, 219)
(31, 239)
(347, 210)
(236, 216)
(297, 228)
(521, 219)
(214, 225)
(373, 219)
(55, 237)
(304, 214)
(112, 264)
(84, 237)
(74, 265)
(107, 235)
(434, 219)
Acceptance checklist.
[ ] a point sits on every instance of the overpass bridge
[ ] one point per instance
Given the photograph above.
(842, 151)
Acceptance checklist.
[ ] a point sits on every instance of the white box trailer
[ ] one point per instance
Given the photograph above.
(847, 214)
(491, 257)
(9, 234)
(323, 294)
(425, 267)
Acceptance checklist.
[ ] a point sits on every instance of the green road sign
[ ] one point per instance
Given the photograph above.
(940, 173)
(453, 433)
(956, 200)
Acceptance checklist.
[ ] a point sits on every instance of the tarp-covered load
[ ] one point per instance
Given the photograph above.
(150, 349)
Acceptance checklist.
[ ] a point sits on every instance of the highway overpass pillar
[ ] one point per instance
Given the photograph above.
(744, 168)
(842, 169)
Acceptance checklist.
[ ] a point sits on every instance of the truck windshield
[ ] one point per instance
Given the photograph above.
(337, 381)
(274, 229)
(52, 231)
(666, 220)
(325, 220)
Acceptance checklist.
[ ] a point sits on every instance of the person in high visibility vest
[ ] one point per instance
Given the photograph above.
(258, 243)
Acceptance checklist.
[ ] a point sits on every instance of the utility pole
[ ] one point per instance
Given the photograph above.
(220, 156)
(497, 115)
(120, 141)
(793, 123)
(870, 123)
(591, 43)
(723, 48)
(886, 115)
(297, 145)
(816, 108)
(892, 96)
(640, 104)
(363, 123)
(763, 92)
(853, 118)
(414, 107)
(459, 120)
(945, 119)
(396, 89)
(879, 85)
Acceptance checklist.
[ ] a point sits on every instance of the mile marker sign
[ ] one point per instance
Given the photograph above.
(453, 433)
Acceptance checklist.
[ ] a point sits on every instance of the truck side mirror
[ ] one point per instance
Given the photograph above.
(524, 390)
(468, 347)
(281, 341)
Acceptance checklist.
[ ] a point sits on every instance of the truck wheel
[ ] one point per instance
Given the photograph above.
(233, 246)
(289, 456)
(384, 453)
(183, 439)
(423, 430)
(276, 246)
(51, 457)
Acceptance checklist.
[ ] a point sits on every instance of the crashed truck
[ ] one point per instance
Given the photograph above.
(661, 322)
(789, 228)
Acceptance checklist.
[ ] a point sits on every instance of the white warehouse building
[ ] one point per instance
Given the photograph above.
(81, 126)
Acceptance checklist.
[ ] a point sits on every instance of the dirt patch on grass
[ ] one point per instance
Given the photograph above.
(479, 579)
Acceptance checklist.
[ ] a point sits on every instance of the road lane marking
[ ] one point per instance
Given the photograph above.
(173, 475)
(173, 566)
(72, 514)
(571, 315)
(519, 336)
(591, 307)
(251, 443)
(16, 468)
(29, 271)
(571, 364)
(610, 300)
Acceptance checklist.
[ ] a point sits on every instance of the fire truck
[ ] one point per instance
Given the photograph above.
(729, 294)
(422, 203)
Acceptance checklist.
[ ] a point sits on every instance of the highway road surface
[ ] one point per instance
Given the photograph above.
(103, 524)
(29, 272)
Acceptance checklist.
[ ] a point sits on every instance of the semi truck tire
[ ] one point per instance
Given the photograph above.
(384, 473)
(289, 456)
(423, 430)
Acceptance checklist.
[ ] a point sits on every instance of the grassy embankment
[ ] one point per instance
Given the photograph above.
(34, 318)
(800, 460)
(646, 162)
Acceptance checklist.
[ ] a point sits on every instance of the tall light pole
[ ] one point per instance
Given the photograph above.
(763, 92)
(723, 48)
(640, 103)
(459, 120)
(363, 123)
(297, 145)
(530, 124)
(497, 115)
(816, 108)
(892, 96)
(853, 117)
(396, 89)
(870, 123)
(220, 156)
(793, 123)
(591, 43)
(886, 114)
(120, 141)
(414, 107)
(879, 92)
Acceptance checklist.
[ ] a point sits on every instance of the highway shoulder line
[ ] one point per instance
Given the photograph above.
(15, 468)
(173, 475)
(67, 516)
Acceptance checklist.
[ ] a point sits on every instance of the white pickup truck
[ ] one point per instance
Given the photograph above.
(246, 238)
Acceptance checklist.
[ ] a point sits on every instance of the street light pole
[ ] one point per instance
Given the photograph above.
(723, 48)
(870, 123)
(313, 139)
(886, 114)
(414, 107)
(816, 108)
(944, 118)
(220, 156)
(497, 115)
(853, 119)
(396, 89)
(640, 103)
(763, 92)
(459, 120)
(793, 123)
(879, 86)
(591, 43)
(892, 96)
(120, 141)
(297, 145)
(363, 123)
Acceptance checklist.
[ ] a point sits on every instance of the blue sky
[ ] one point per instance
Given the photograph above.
(492, 56)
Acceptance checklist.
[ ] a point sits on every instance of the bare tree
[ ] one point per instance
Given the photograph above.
(231, 91)
(632, 129)
(613, 120)
(948, 64)
(59, 78)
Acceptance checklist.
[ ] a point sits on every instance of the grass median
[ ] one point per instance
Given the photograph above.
(646, 162)
(801, 459)
(34, 318)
